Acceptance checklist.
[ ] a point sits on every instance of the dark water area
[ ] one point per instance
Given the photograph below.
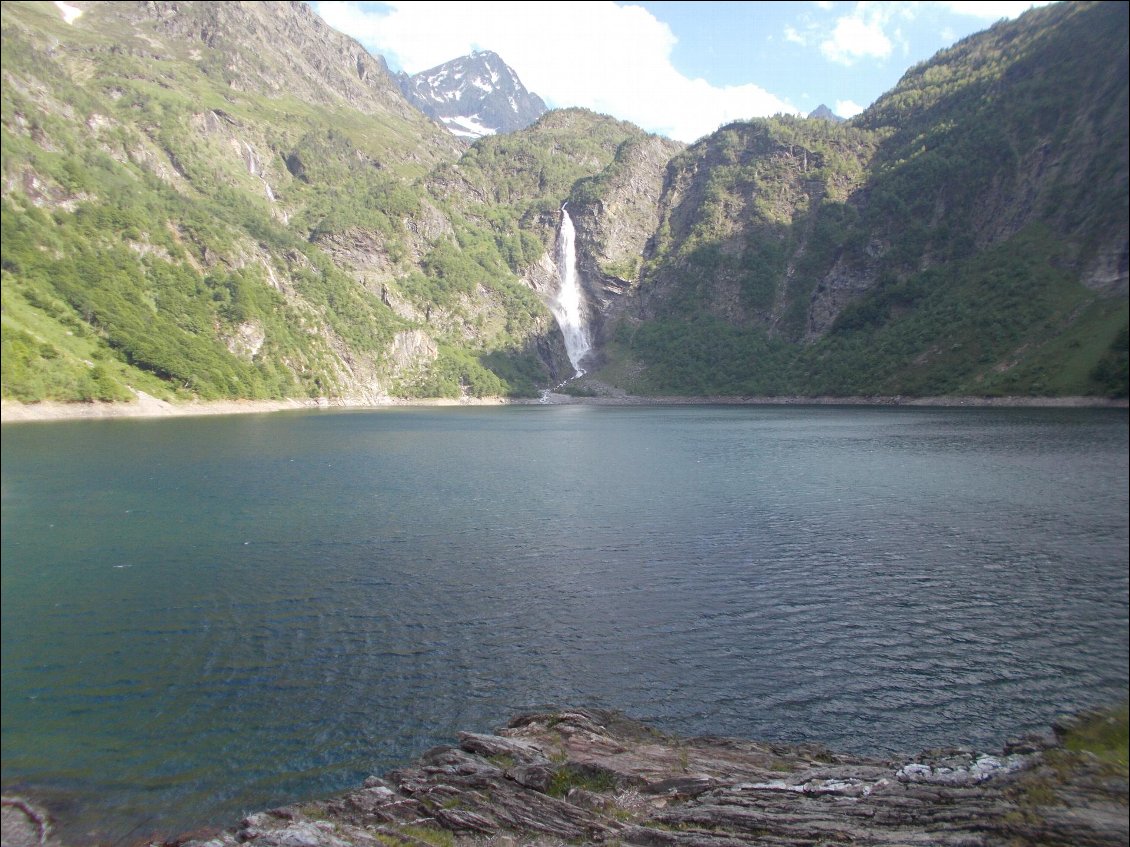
(203, 617)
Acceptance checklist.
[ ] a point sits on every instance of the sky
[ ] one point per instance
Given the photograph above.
(676, 68)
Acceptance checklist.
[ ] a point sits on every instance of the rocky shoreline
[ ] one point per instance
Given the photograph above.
(595, 777)
(147, 406)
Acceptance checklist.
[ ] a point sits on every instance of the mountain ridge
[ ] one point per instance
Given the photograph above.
(187, 216)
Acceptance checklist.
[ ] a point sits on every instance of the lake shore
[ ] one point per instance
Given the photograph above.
(595, 776)
(147, 406)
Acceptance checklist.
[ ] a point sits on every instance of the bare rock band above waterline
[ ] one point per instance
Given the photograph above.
(146, 406)
(592, 776)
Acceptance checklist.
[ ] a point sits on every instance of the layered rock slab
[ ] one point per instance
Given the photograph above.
(589, 776)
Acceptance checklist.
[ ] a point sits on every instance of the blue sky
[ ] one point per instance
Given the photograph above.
(679, 69)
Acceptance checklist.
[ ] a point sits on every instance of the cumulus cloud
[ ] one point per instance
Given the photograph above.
(602, 56)
(869, 31)
(854, 37)
(847, 108)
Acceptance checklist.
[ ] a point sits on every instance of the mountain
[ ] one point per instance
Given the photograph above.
(967, 234)
(231, 200)
(225, 200)
(823, 113)
(474, 96)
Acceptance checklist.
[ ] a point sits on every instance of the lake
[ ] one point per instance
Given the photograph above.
(203, 616)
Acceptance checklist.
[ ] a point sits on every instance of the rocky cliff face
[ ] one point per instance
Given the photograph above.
(616, 214)
(277, 48)
(739, 220)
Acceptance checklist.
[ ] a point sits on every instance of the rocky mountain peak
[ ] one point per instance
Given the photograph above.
(823, 113)
(474, 95)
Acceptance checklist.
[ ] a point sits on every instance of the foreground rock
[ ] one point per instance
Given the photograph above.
(589, 776)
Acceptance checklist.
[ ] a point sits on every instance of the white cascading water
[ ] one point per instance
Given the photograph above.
(568, 306)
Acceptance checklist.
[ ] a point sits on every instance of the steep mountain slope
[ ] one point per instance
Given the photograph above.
(473, 96)
(968, 233)
(224, 200)
(1023, 123)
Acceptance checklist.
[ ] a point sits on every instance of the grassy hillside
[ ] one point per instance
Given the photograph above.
(148, 237)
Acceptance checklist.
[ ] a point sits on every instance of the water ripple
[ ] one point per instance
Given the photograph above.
(209, 616)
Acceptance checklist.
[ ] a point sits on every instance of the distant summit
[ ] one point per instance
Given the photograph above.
(474, 96)
(823, 113)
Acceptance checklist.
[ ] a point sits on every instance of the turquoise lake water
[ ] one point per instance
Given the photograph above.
(208, 616)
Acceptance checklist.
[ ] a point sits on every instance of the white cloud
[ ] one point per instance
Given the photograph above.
(859, 35)
(605, 57)
(847, 108)
(795, 37)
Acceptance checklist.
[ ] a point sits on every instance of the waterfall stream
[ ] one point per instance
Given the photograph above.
(568, 307)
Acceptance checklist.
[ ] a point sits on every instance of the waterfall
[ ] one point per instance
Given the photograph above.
(568, 307)
(253, 169)
(252, 160)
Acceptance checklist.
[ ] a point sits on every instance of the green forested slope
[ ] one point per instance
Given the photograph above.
(967, 234)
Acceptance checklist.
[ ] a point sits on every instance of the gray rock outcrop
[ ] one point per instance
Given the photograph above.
(589, 776)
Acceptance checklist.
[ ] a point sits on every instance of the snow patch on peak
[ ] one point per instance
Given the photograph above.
(474, 95)
(466, 126)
